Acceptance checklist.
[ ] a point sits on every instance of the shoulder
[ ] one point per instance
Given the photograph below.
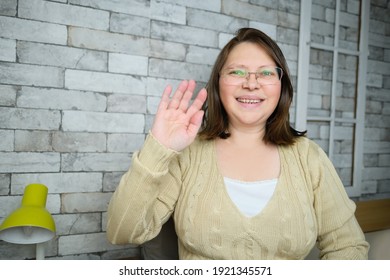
(304, 147)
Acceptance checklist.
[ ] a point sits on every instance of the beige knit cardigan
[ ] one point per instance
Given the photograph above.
(309, 206)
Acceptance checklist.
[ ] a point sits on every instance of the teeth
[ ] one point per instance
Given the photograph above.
(248, 101)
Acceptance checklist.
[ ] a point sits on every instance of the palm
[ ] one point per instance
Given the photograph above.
(177, 122)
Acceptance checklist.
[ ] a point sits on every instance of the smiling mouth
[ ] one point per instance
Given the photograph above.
(249, 101)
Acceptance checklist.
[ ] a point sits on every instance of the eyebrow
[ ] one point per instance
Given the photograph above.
(231, 66)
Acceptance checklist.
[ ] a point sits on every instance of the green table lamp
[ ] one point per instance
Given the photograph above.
(31, 223)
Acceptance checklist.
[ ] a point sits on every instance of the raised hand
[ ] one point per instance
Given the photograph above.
(177, 122)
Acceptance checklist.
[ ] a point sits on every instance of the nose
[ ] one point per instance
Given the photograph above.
(251, 81)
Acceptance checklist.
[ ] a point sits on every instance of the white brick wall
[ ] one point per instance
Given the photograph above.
(80, 81)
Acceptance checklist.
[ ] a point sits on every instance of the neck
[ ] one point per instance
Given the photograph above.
(246, 136)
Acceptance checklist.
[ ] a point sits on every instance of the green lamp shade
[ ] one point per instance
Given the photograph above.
(31, 223)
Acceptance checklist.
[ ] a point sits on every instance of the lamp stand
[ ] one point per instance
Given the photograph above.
(40, 251)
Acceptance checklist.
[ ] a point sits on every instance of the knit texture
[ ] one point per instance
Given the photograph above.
(309, 206)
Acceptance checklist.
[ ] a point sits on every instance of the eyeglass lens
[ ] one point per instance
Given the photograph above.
(264, 75)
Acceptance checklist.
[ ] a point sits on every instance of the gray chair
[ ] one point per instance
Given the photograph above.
(163, 246)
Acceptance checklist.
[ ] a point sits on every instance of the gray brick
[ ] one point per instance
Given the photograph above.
(8, 50)
(130, 252)
(153, 103)
(60, 99)
(104, 162)
(178, 70)
(201, 55)
(374, 80)
(292, 7)
(67, 224)
(8, 95)
(377, 120)
(288, 36)
(384, 160)
(32, 141)
(342, 160)
(133, 7)
(125, 142)
(7, 140)
(376, 147)
(8, 7)
(130, 24)
(378, 94)
(378, 40)
(386, 55)
(93, 257)
(53, 203)
(288, 20)
(215, 21)
(126, 103)
(84, 243)
(223, 39)
(376, 173)
(111, 181)
(369, 187)
(44, 54)
(63, 14)
(85, 202)
(184, 34)
(34, 31)
(5, 182)
(103, 82)
(156, 86)
(384, 185)
(106, 41)
(372, 134)
(23, 74)
(128, 64)
(248, 11)
(149, 122)
(167, 12)
(378, 67)
(211, 5)
(8, 204)
(319, 86)
(167, 50)
(268, 29)
(290, 53)
(29, 162)
(29, 119)
(78, 142)
(10, 251)
(102, 122)
(59, 183)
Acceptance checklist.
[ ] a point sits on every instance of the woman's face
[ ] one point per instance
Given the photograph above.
(248, 104)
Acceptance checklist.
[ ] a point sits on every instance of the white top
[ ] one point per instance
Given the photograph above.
(250, 197)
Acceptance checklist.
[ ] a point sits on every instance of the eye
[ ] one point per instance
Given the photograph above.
(237, 73)
(267, 73)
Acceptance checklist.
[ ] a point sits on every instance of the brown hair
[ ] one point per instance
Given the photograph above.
(215, 123)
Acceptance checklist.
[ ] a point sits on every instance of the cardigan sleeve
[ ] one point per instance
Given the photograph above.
(146, 195)
(339, 234)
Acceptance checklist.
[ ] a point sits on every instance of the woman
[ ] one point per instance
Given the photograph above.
(238, 180)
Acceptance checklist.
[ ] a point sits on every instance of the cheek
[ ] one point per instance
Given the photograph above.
(275, 92)
(224, 93)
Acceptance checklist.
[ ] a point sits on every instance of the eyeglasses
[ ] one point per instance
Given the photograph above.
(266, 75)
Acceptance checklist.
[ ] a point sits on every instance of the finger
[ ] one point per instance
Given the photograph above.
(197, 105)
(178, 95)
(195, 123)
(165, 98)
(187, 96)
